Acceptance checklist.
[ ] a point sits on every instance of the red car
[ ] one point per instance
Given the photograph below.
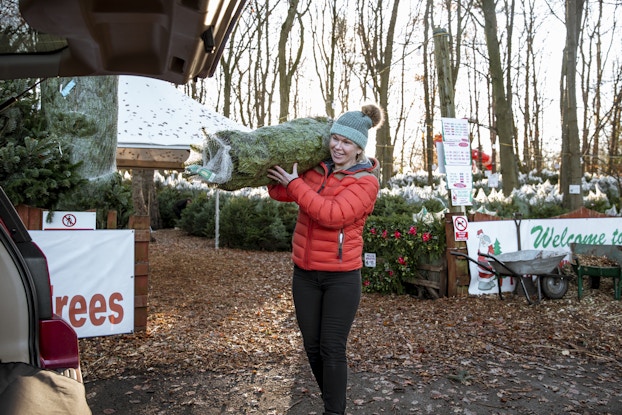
(36, 346)
(164, 39)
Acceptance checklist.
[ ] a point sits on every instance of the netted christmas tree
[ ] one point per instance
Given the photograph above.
(234, 159)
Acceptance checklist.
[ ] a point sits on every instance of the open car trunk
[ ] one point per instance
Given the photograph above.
(170, 40)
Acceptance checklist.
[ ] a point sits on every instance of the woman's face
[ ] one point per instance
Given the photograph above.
(343, 151)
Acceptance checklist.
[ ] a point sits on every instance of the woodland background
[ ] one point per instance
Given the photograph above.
(540, 82)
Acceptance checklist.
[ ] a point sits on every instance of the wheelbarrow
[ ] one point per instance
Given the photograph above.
(525, 264)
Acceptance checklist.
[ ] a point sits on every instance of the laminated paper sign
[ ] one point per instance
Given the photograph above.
(457, 159)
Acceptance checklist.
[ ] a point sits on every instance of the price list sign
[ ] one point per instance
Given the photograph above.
(457, 151)
(456, 142)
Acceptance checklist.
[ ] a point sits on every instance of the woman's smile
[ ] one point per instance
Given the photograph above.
(343, 151)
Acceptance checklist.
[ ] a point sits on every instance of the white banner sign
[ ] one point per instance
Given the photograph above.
(498, 237)
(92, 277)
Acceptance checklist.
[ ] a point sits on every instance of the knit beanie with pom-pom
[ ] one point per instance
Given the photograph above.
(354, 125)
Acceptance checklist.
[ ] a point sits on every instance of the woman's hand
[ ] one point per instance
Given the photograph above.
(277, 173)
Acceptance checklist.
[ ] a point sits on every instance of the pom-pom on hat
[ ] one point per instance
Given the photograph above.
(354, 125)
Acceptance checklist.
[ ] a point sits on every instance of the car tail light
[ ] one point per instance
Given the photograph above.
(58, 344)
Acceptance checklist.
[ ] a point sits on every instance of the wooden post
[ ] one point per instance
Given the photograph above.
(444, 73)
(455, 278)
(445, 83)
(31, 216)
(142, 236)
(111, 219)
(457, 270)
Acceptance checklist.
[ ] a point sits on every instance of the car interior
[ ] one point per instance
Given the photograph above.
(16, 308)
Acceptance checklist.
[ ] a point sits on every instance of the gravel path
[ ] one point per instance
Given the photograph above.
(222, 339)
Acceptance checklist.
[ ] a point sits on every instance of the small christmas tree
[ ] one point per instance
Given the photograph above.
(35, 169)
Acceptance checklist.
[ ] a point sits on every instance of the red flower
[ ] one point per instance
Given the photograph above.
(390, 273)
(426, 236)
(401, 260)
(366, 283)
(397, 234)
(384, 234)
(373, 231)
(412, 230)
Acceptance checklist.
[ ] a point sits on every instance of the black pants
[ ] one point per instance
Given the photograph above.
(326, 303)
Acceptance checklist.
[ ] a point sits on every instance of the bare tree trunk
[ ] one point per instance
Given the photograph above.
(378, 60)
(406, 100)
(325, 32)
(503, 111)
(139, 199)
(570, 169)
(474, 102)
(248, 67)
(144, 197)
(428, 98)
(597, 99)
(446, 87)
(456, 16)
(259, 106)
(288, 64)
(528, 160)
(535, 137)
(152, 198)
(241, 93)
(532, 107)
(230, 65)
(585, 79)
(614, 165)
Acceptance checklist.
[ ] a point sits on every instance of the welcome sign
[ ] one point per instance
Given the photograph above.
(562, 232)
(498, 237)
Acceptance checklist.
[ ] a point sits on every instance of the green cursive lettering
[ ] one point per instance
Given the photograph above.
(547, 237)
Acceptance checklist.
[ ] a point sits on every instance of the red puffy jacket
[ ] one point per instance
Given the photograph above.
(333, 208)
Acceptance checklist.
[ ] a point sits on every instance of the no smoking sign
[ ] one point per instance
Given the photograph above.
(461, 225)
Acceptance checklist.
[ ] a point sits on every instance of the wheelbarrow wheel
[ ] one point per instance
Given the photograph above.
(554, 287)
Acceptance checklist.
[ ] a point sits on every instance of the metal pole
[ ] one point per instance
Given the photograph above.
(217, 224)
(216, 202)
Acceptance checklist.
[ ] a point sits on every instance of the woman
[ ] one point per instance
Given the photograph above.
(334, 200)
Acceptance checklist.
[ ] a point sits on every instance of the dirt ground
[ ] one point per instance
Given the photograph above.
(222, 339)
